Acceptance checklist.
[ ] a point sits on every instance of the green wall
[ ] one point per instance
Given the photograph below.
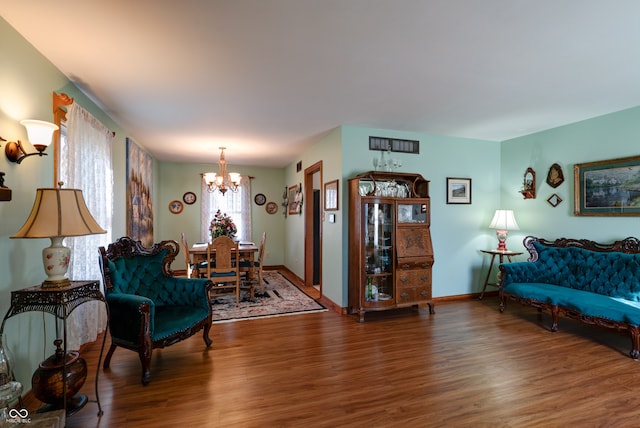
(610, 136)
(27, 81)
(327, 150)
(174, 179)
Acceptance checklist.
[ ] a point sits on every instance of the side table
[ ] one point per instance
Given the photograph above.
(60, 302)
(501, 254)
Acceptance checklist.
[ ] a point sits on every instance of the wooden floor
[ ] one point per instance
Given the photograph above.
(467, 365)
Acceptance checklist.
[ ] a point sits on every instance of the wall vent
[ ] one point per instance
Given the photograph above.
(394, 144)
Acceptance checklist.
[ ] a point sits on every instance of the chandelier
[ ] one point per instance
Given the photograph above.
(222, 181)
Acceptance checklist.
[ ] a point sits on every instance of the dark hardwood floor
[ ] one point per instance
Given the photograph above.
(467, 365)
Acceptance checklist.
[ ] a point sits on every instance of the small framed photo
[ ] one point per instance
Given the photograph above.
(458, 190)
(331, 196)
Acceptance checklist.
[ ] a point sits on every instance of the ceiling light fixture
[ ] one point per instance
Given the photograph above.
(222, 181)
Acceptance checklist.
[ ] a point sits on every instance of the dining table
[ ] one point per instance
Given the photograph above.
(246, 249)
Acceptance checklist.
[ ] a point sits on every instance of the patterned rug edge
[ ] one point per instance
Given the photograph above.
(261, 317)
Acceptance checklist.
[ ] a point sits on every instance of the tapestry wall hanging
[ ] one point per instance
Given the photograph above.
(139, 193)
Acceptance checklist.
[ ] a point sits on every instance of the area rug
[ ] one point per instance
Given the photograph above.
(280, 298)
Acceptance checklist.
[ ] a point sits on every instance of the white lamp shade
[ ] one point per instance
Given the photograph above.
(504, 220)
(39, 132)
(234, 177)
(209, 177)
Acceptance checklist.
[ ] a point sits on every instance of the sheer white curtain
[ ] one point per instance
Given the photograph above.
(235, 204)
(85, 163)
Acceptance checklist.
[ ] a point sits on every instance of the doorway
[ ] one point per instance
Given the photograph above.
(313, 227)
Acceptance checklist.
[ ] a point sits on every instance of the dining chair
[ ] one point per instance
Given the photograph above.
(225, 272)
(187, 259)
(245, 266)
(190, 267)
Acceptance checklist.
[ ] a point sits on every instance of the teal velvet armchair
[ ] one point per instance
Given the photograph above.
(150, 308)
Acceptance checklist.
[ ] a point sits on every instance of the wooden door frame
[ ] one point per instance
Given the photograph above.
(308, 222)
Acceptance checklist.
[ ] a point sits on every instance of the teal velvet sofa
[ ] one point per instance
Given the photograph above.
(148, 307)
(595, 283)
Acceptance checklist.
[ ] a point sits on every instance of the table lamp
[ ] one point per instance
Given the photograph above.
(503, 221)
(56, 214)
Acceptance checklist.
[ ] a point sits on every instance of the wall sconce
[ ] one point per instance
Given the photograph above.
(39, 134)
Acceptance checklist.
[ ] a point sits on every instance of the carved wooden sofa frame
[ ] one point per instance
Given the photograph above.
(527, 276)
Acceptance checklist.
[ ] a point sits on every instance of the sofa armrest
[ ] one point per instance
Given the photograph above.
(128, 314)
(520, 272)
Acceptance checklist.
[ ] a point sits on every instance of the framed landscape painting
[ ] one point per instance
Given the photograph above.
(139, 193)
(607, 188)
(458, 190)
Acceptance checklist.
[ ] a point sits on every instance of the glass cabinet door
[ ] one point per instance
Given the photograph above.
(378, 240)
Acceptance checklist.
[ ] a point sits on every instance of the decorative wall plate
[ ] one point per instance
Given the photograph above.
(176, 207)
(271, 208)
(189, 198)
(260, 199)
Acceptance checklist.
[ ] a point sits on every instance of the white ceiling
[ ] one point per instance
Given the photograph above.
(266, 78)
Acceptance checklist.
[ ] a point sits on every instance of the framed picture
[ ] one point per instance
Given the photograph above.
(295, 199)
(607, 188)
(458, 190)
(139, 192)
(331, 196)
(554, 200)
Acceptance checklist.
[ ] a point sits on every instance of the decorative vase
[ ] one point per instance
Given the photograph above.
(47, 381)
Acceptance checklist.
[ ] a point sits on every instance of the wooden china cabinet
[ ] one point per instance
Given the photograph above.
(390, 251)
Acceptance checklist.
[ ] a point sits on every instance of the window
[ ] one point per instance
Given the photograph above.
(237, 205)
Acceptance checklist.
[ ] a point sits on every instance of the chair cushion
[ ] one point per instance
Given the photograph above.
(222, 274)
(170, 320)
(247, 264)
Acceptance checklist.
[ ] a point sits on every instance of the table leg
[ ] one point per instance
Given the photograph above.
(486, 281)
(251, 274)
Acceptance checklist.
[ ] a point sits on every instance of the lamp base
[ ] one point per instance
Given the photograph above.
(55, 260)
(502, 239)
(56, 284)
